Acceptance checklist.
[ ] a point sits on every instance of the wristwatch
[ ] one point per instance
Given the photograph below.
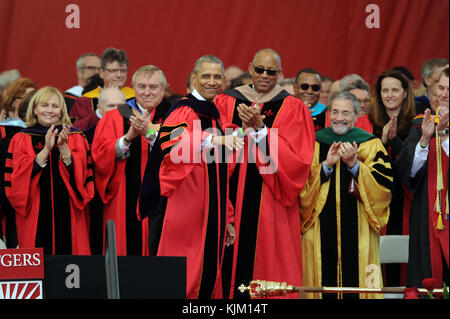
(443, 132)
(151, 135)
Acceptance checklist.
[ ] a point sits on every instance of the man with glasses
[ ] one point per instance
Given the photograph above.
(113, 71)
(87, 65)
(272, 168)
(431, 71)
(361, 90)
(345, 203)
(307, 86)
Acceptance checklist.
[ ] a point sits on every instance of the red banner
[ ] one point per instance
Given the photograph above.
(22, 263)
(44, 38)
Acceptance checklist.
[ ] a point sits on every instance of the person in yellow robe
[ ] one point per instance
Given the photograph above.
(344, 204)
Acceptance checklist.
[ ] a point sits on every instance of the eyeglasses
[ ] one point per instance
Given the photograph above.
(91, 68)
(365, 101)
(116, 70)
(262, 70)
(306, 86)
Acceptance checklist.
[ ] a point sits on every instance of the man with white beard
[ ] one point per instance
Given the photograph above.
(345, 203)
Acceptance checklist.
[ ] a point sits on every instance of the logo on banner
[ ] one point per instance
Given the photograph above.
(21, 273)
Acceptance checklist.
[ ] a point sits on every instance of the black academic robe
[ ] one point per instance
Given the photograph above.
(428, 246)
(7, 213)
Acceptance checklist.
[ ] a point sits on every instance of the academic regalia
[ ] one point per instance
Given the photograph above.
(341, 228)
(428, 245)
(118, 181)
(83, 109)
(422, 103)
(264, 190)
(82, 113)
(319, 112)
(7, 213)
(50, 202)
(193, 187)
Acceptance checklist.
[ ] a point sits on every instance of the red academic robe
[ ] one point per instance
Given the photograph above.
(428, 244)
(439, 238)
(265, 196)
(61, 202)
(118, 182)
(83, 113)
(196, 214)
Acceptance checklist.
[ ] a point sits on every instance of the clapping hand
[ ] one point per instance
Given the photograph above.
(389, 130)
(427, 128)
(250, 116)
(342, 150)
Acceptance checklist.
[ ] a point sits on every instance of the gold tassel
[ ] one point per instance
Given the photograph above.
(446, 205)
(439, 182)
(440, 225)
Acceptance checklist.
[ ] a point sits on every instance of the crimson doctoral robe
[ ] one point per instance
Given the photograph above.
(51, 202)
(195, 185)
(264, 190)
(118, 182)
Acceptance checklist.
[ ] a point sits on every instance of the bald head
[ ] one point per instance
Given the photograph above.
(265, 70)
(109, 99)
(270, 52)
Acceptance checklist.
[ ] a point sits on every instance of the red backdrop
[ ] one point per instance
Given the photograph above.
(329, 35)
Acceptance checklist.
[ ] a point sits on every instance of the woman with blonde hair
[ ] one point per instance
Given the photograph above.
(49, 178)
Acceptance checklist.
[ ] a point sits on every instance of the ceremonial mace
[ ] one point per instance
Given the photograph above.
(264, 288)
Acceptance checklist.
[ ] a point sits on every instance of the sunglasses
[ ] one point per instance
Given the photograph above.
(314, 87)
(262, 70)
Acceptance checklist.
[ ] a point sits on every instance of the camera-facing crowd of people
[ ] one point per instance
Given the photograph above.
(249, 175)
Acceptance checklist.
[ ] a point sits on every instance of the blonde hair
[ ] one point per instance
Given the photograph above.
(43, 95)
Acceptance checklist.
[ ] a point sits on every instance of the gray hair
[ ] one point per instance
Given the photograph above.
(149, 70)
(104, 93)
(345, 95)
(8, 77)
(209, 59)
(348, 80)
(429, 65)
(80, 61)
(358, 85)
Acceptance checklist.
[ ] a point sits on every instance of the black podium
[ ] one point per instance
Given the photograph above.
(84, 277)
(114, 277)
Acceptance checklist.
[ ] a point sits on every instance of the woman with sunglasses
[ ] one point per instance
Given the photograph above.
(49, 178)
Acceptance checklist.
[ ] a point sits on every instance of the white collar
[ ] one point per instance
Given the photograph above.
(197, 95)
(142, 109)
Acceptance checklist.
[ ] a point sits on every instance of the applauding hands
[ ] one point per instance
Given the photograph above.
(342, 150)
(52, 139)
